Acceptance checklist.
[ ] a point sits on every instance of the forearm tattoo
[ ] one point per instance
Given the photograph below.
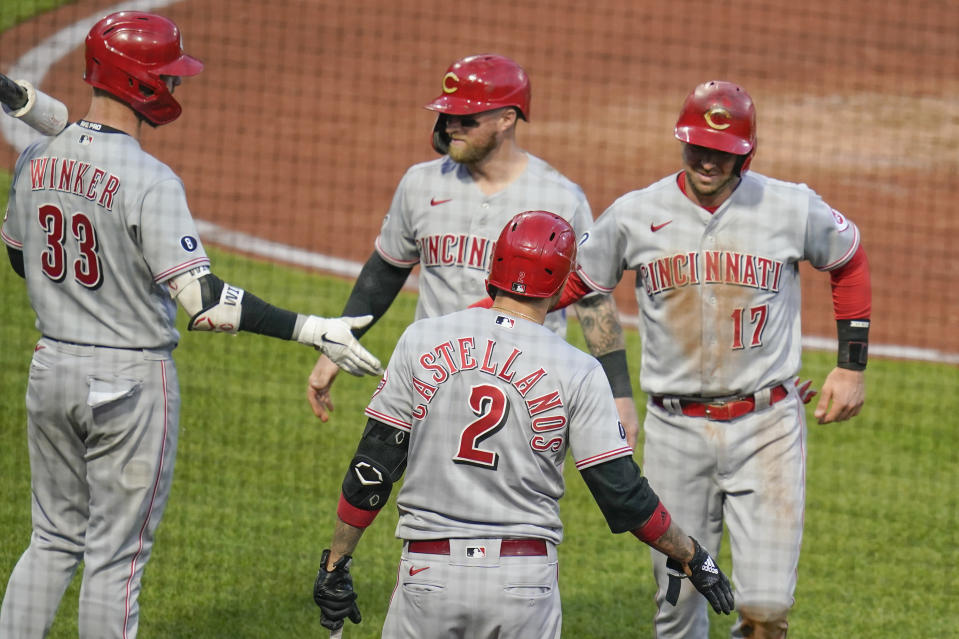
(675, 543)
(600, 321)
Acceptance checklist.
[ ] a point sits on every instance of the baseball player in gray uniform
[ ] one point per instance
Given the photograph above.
(480, 408)
(446, 213)
(102, 234)
(716, 251)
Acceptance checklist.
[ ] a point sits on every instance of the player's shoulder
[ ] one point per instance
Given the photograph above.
(661, 191)
(752, 179)
(543, 170)
(431, 168)
(36, 148)
(796, 195)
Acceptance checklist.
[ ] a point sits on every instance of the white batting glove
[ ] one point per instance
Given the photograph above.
(333, 337)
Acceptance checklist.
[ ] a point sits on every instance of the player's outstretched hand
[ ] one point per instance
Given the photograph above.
(333, 593)
(705, 575)
(843, 395)
(318, 387)
(334, 338)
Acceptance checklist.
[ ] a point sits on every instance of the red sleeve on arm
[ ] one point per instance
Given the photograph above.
(354, 516)
(852, 288)
(575, 290)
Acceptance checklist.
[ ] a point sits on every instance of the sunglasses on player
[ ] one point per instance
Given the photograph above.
(465, 121)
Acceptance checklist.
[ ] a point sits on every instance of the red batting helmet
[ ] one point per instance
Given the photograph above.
(533, 256)
(483, 83)
(128, 53)
(719, 115)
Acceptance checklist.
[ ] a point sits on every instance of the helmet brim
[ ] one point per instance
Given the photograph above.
(717, 140)
(458, 106)
(183, 66)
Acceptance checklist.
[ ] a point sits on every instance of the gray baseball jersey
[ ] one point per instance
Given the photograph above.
(101, 224)
(719, 299)
(492, 403)
(719, 293)
(440, 219)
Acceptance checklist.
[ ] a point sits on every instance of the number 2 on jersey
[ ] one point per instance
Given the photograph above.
(490, 405)
(86, 268)
(757, 318)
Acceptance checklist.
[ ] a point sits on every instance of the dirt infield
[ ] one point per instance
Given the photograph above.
(308, 113)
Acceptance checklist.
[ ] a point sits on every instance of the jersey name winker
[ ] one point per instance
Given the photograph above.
(70, 176)
(710, 267)
(451, 357)
(455, 250)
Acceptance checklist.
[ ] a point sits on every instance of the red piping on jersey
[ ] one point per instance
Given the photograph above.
(392, 260)
(392, 421)
(356, 517)
(852, 288)
(10, 241)
(146, 520)
(179, 268)
(601, 457)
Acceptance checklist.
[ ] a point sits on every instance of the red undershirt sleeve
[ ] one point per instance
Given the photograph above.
(852, 288)
(575, 290)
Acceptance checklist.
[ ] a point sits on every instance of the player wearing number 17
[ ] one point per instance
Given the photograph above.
(481, 408)
(102, 234)
(716, 250)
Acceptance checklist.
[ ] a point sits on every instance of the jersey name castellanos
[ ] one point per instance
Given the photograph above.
(441, 220)
(493, 404)
(102, 224)
(718, 294)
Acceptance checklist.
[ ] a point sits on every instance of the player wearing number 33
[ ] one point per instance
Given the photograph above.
(481, 408)
(716, 251)
(102, 234)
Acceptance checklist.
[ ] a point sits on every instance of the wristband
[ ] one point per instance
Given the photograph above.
(853, 344)
(617, 372)
(656, 526)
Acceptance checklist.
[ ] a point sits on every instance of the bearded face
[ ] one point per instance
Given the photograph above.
(473, 137)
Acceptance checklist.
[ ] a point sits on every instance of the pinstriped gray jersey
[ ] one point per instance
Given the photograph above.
(493, 405)
(718, 294)
(102, 224)
(440, 219)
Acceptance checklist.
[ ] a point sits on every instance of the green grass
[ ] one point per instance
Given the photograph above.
(13, 12)
(257, 481)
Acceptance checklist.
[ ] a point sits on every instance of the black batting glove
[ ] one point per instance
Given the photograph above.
(333, 593)
(705, 576)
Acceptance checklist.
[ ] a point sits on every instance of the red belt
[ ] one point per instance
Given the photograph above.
(508, 547)
(728, 410)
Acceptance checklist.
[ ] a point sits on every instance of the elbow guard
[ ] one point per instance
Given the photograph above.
(366, 487)
(222, 306)
(213, 305)
(379, 461)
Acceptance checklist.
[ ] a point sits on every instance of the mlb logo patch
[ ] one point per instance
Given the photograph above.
(476, 552)
(508, 322)
(86, 140)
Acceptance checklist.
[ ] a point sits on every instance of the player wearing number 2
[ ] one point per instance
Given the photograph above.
(480, 408)
(102, 234)
(716, 250)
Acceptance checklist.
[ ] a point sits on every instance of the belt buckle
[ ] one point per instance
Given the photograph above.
(718, 412)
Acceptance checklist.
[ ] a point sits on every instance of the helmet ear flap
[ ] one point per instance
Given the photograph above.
(441, 139)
